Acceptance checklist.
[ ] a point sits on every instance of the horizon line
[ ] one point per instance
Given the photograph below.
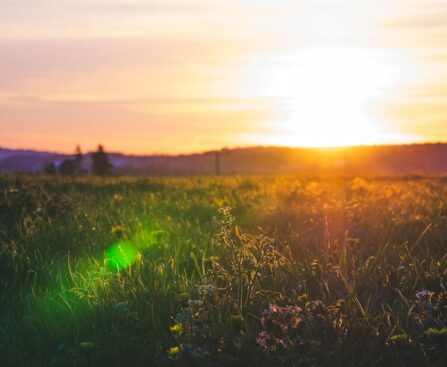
(224, 148)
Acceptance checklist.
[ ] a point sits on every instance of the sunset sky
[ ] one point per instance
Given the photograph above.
(179, 76)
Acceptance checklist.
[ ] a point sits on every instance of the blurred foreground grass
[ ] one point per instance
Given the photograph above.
(300, 272)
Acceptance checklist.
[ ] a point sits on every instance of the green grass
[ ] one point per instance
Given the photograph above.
(150, 272)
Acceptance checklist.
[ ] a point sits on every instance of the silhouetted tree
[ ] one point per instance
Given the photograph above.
(78, 159)
(100, 162)
(78, 154)
(72, 166)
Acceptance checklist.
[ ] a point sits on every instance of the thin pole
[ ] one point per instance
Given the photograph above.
(217, 161)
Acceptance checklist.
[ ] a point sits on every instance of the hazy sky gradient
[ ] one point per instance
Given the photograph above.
(172, 76)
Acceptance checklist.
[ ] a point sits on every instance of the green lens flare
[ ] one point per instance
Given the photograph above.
(120, 256)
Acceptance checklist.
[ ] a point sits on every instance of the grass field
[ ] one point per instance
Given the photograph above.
(154, 272)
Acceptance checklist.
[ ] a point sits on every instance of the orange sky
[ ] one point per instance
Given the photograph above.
(179, 76)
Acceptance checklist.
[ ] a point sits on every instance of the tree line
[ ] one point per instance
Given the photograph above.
(72, 166)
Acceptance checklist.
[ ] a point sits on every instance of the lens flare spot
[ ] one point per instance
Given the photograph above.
(120, 255)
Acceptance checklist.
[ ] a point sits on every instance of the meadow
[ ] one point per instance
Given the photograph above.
(230, 271)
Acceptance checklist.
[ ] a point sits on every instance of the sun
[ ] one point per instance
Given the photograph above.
(326, 95)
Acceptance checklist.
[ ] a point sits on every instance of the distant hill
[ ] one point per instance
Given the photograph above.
(397, 159)
(25, 160)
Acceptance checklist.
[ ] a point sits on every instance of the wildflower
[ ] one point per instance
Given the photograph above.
(284, 317)
(279, 324)
(118, 197)
(174, 351)
(266, 341)
(177, 328)
(424, 295)
(207, 289)
(316, 307)
(195, 303)
(399, 339)
(304, 298)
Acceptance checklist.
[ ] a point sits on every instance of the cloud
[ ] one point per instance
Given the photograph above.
(151, 6)
(418, 14)
(27, 63)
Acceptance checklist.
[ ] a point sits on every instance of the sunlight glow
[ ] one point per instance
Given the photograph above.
(327, 97)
